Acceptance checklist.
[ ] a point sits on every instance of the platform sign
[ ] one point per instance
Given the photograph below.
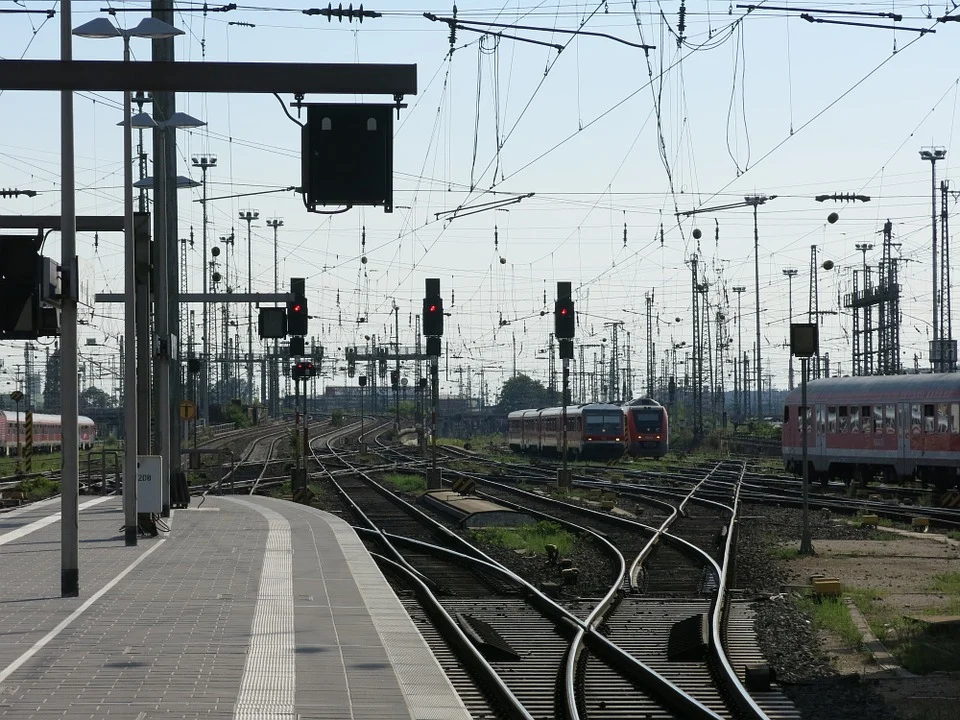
(149, 484)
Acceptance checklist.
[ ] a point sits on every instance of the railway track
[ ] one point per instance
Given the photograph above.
(583, 649)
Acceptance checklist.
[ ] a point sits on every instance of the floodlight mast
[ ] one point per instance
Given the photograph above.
(748, 201)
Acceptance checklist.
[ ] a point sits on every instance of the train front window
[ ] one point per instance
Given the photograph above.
(604, 423)
(647, 421)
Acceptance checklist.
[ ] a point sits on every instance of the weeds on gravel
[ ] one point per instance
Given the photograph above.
(948, 583)
(531, 538)
(38, 488)
(402, 482)
(833, 615)
(785, 552)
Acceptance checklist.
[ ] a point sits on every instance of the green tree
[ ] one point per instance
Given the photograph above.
(522, 392)
(93, 398)
(51, 389)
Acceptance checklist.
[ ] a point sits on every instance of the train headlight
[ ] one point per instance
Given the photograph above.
(658, 437)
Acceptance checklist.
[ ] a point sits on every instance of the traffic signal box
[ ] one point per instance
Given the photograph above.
(564, 317)
(297, 307)
(564, 320)
(432, 309)
(303, 371)
(297, 347)
(395, 378)
(29, 289)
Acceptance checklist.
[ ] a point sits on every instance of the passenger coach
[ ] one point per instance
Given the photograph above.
(595, 430)
(899, 426)
(46, 431)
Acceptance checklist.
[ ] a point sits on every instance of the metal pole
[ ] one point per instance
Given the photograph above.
(435, 377)
(563, 416)
(756, 292)
(162, 309)
(250, 216)
(70, 477)
(130, 330)
(806, 546)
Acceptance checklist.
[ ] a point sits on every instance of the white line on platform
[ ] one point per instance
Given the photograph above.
(39, 644)
(48, 520)
(268, 688)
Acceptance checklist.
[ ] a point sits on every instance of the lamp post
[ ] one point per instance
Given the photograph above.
(150, 28)
(274, 409)
(738, 365)
(932, 154)
(205, 162)
(164, 366)
(791, 273)
(249, 216)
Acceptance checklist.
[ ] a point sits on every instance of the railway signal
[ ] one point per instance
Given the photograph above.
(297, 307)
(303, 371)
(564, 315)
(432, 309)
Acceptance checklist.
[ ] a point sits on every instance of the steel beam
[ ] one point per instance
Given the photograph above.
(239, 77)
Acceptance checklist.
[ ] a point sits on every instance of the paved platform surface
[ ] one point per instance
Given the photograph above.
(248, 608)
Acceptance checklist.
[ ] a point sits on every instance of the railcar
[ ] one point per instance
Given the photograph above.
(593, 430)
(899, 427)
(46, 431)
(648, 428)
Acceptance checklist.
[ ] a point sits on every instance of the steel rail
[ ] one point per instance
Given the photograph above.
(467, 651)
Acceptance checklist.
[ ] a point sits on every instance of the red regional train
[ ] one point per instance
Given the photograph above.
(897, 426)
(46, 432)
(593, 430)
(648, 428)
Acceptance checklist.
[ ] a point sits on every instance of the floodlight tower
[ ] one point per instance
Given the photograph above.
(933, 154)
(249, 216)
(274, 401)
(737, 366)
(205, 162)
(791, 273)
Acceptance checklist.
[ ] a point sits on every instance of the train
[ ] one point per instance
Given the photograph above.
(900, 427)
(594, 430)
(46, 432)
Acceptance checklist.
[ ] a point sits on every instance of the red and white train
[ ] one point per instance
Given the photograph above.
(46, 431)
(898, 426)
(648, 428)
(593, 430)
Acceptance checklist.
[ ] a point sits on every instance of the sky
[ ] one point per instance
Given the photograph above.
(611, 141)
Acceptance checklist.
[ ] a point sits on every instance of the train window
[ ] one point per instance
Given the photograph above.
(855, 418)
(603, 423)
(916, 424)
(928, 418)
(647, 421)
(842, 421)
(890, 423)
(866, 419)
(831, 419)
(786, 414)
(943, 418)
(820, 420)
(954, 418)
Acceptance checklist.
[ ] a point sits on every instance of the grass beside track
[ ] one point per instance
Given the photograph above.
(404, 482)
(530, 538)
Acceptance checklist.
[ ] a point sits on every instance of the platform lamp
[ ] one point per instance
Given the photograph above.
(152, 29)
(167, 416)
(804, 343)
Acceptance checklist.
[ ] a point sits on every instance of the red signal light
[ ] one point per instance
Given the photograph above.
(298, 308)
(433, 308)
(563, 311)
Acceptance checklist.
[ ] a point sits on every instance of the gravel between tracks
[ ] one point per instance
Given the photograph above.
(785, 634)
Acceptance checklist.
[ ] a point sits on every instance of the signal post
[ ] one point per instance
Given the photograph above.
(564, 320)
(433, 330)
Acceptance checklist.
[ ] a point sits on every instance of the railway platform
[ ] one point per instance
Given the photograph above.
(247, 608)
